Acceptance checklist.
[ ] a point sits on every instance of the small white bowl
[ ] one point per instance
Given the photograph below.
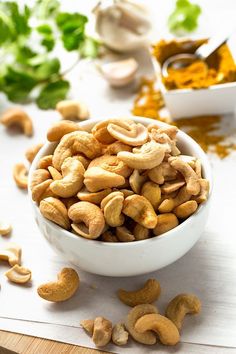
(134, 258)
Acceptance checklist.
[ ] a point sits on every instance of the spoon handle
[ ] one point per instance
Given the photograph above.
(206, 49)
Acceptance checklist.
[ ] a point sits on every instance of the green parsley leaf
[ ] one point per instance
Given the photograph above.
(48, 40)
(184, 18)
(17, 84)
(89, 48)
(52, 93)
(47, 69)
(72, 27)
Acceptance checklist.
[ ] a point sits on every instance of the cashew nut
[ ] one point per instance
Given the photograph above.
(183, 211)
(149, 293)
(169, 204)
(140, 210)
(124, 235)
(96, 179)
(163, 172)
(95, 197)
(169, 187)
(148, 156)
(111, 163)
(74, 143)
(20, 175)
(136, 181)
(74, 110)
(152, 192)
(138, 311)
(190, 176)
(202, 196)
(45, 162)
(40, 185)
(126, 192)
(101, 133)
(119, 334)
(163, 138)
(32, 151)
(112, 206)
(54, 210)
(69, 201)
(11, 254)
(140, 232)
(89, 214)
(5, 228)
(59, 129)
(88, 326)
(62, 289)
(165, 222)
(116, 147)
(72, 181)
(56, 175)
(161, 325)
(18, 274)
(85, 162)
(102, 331)
(128, 132)
(15, 116)
(181, 305)
(107, 236)
(198, 168)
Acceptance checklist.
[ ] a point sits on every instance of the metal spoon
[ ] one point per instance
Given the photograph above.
(185, 59)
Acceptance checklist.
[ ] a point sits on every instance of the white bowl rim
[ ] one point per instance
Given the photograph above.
(169, 234)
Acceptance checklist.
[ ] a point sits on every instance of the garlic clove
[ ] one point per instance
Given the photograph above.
(120, 73)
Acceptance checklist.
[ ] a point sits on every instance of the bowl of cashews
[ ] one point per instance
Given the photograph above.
(120, 197)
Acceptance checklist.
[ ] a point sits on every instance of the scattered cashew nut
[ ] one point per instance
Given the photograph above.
(71, 109)
(181, 305)
(20, 175)
(15, 116)
(88, 326)
(102, 331)
(138, 311)
(5, 228)
(149, 293)
(62, 289)
(18, 274)
(161, 325)
(12, 254)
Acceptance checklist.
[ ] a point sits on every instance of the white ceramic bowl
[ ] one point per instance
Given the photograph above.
(134, 258)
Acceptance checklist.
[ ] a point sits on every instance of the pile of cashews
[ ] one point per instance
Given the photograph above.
(120, 182)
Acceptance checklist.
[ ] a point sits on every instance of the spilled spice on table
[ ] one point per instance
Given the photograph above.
(204, 130)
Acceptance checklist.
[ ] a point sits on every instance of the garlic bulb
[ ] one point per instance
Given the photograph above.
(120, 73)
(123, 25)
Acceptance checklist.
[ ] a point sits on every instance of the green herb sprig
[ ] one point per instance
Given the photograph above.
(23, 69)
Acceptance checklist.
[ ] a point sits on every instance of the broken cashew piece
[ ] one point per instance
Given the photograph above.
(62, 289)
(18, 274)
(165, 222)
(72, 178)
(32, 151)
(140, 210)
(15, 116)
(71, 109)
(148, 156)
(90, 215)
(5, 228)
(136, 181)
(162, 326)
(54, 210)
(149, 293)
(183, 211)
(182, 305)
(88, 326)
(202, 196)
(102, 331)
(190, 176)
(138, 311)
(169, 204)
(20, 175)
(119, 334)
(11, 254)
(128, 132)
(59, 129)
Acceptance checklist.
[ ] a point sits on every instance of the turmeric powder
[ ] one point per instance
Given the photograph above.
(220, 66)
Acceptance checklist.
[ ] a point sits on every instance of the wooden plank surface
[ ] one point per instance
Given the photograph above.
(21, 344)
